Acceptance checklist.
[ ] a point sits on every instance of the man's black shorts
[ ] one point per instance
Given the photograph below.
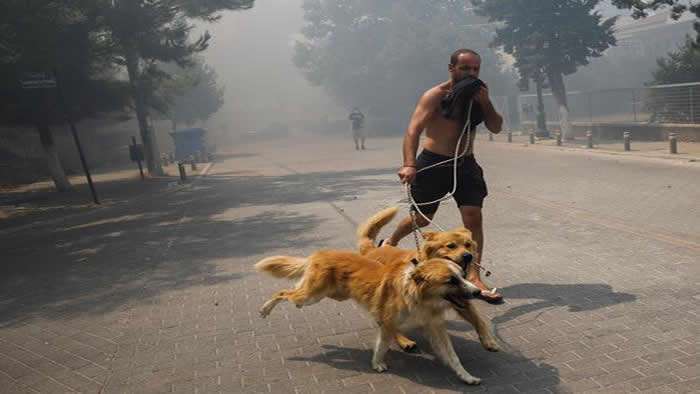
(435, 182)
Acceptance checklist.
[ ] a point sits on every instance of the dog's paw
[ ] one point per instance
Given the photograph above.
(379, 366)
(406, 344)
(409, 347)
(266, 309)
(490, 344)
(471, 380)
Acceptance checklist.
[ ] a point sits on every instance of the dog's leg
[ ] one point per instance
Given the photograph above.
(406, 344)
(272, 302)
(384, 338)
(298, 297)
(471, 314)
(440, 341)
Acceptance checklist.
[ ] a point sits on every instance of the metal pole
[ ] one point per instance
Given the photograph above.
(510, 136)
(559, 139)
(691, 104)
(673, 143)
(532, 137)
(181, 169)
(589, 139)
(74, 131)
(627, 137)
(84, 163)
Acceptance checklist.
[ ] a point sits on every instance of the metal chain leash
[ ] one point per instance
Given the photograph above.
(416, 230)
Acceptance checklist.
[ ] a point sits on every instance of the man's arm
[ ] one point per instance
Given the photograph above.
(422, 114)
(419, 119)
(492, 119)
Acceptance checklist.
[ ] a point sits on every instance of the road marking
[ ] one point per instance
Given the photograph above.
(321, 188)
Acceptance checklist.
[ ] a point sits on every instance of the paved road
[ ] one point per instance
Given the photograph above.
(597, 255)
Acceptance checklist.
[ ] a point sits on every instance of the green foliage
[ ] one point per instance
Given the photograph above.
(60, 36)
(682, 65)
(191, 94)
(146, 33)
(549, 35)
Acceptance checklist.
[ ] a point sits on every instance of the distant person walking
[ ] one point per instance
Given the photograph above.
(358, 128)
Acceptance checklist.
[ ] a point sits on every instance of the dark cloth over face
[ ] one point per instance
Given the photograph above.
(455, 105)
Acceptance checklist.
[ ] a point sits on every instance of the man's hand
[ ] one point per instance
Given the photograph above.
(483, 96)
(407, 174)
(492, 119)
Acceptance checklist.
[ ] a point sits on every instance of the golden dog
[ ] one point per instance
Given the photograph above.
(456, 246)
(398, 295)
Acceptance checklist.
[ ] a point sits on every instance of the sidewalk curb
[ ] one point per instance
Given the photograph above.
(97, 209)
(685, 161)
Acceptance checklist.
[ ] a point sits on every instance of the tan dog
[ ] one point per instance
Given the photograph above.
(457, 246)
(398, 295)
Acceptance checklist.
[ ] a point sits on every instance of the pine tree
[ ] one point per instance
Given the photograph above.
(554, 36)
(54, 36)
(145, 33)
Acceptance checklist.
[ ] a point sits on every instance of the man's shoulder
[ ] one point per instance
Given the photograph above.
(435, 94)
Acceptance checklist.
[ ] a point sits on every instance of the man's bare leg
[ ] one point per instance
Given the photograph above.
(473, 220)
(405, 227)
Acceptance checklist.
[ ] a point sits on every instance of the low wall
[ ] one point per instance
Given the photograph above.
(640, 131)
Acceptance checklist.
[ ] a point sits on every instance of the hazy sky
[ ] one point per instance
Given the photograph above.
(252, 53)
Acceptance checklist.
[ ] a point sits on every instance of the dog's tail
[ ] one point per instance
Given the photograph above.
(283, 266)
(367, 232)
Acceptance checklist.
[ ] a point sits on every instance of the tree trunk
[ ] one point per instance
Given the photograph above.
(556, 82)
(541, 116)
(54, 164)
(150, 145)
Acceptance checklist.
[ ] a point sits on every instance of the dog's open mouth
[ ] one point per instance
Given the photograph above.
(460, 263)
(456, 300)
(457, 261)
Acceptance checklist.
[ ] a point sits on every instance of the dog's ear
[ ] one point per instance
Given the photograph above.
(428, 235)
(463, 230)
(428, 249)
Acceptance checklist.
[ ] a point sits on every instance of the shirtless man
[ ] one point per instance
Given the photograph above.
(441, 137)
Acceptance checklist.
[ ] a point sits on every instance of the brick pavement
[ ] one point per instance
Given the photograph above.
(160, 296)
